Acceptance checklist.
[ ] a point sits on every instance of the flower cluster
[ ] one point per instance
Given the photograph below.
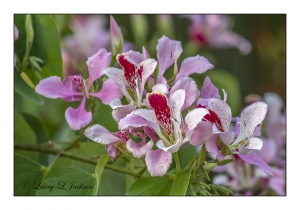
(246, 180)
(155, 112)
(152, 124)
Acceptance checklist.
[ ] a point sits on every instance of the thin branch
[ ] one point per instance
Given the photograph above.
(51, 150)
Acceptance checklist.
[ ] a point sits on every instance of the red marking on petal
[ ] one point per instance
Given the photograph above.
(159, 102)
(213, 118)
(139, 72)
(122, 135)
(129, 70)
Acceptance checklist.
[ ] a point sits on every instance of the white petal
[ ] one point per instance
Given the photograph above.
(251, 117)
(173, 148)
(161, 88)
(100, 134)
(222, 110)
(194, 117)
(176, 101)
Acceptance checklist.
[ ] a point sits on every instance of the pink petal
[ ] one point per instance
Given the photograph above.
(101, 135)
(277, 182)
(231, 39)
(194, 117)
(110, 90)
(256, 160)
(117, 75)
(119, 111)
(52, 87)
(275, 105)
(145, 53)
(150, 133)
(74, 83)
(111, 150)
(139, 149)
(212, 147)
(158, 162)
(134, 57)
(191, 65)
(208, 89)
(268, 152)
(96, 64)
(222, 110)
(115, 33)
(251, 117)
(78, 118)
(168, 51)
(202, 133)
(145, 69)
(16, 33)
(132, 120)
(191, 91)
(227, 137)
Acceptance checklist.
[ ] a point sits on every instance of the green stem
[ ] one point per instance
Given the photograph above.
(175, 155)
(46, 149)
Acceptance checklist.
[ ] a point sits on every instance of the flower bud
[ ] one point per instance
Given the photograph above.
(116, 37)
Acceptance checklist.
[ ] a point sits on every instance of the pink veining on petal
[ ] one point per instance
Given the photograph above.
(159, 102)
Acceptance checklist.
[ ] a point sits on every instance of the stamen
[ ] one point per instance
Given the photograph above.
(85, 89)
(225, 95)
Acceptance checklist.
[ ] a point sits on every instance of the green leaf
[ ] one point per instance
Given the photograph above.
(166, 185)
(46, 44)
(223, 162)
(100, 168)
(25, 135)
(27, 175)
(23, 89)
(40, 133)
(180, 183)
(151, 186)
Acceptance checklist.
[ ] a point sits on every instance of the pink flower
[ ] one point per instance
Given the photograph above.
(213, 31)
(74, 88)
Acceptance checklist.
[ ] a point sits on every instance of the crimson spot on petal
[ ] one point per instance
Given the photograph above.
(213, 118)
(129, 70)
(159, 102)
